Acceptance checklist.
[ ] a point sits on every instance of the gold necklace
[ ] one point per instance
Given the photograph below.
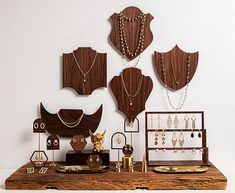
(123, 42)
(80, 69)
(131, 96)
(173, 71)
(187, 81)
(71, 124)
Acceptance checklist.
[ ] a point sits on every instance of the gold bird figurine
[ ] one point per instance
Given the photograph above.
(97, 140)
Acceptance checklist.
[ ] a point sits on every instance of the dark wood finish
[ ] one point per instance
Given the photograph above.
(55, 126)
(80, 158)
(132, 78)
(176, 59)
(72, 76)
(213, 179)
(205, 159)
(132, 30)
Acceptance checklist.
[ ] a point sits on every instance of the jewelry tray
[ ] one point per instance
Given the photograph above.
(180, 169)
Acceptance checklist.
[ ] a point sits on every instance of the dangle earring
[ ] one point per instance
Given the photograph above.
(193, 118)
(163, 131)
(186, 119)
(174, 137)
(181, 140)
(156, 137)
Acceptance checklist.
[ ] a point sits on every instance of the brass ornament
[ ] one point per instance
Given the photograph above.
(97, 140)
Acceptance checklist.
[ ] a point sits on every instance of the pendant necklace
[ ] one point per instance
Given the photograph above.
(131, 97)
(80, 69)
(177, 82)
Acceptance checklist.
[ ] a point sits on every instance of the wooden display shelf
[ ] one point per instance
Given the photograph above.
(213, 179)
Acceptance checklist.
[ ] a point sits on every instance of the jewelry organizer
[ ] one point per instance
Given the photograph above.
(170, 130)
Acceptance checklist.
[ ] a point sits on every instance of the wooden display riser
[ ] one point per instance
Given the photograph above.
(213, 179)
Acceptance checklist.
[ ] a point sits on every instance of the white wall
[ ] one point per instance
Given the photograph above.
(36, 33)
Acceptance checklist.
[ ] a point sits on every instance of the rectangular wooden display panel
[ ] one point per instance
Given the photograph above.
(213, 179)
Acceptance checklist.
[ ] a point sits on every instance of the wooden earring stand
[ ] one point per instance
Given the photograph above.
(204, 161)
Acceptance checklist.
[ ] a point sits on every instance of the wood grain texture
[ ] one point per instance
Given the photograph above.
(72, 76)
(132, 78)
(175, 61)
(131, 30)
(55, 126)
(213, 179)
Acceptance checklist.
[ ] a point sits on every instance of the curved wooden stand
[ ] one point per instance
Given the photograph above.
(175, 62)
(55, 126)
(72, 76)
(132, 78)
(132, 30)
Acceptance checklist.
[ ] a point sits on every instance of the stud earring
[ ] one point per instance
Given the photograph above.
(194, 151)
(97, 159)
(193, 118)
(90, 159)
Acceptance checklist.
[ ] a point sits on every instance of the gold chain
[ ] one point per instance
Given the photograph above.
(71, 124)
(79, 67)
(131, 96)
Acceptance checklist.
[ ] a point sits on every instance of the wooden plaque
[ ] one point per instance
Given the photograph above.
(131, 77)
(54, 125)
(96, 76)
(175, 62)
(132, 31)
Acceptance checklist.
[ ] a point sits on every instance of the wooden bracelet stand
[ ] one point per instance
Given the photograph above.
(203, 161)
(132, 31)
(95, 74)
(175, 62)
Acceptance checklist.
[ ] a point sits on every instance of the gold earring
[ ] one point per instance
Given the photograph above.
(163, 137)
(156, 137)
(193, 118)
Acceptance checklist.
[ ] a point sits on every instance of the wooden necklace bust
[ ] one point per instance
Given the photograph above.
(84, 70)
(131, 90)
(131, 33)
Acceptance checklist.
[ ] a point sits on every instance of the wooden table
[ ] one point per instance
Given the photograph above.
(213, 179)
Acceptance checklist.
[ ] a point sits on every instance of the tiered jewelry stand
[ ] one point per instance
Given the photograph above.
(204, 161)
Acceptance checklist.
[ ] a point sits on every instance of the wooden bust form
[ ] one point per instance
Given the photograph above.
(177, 65)
(132, 31)
(136, 85)
(84, 70)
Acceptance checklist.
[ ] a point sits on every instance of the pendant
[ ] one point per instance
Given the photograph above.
(84, 80)
(131, 124)
(131, 103)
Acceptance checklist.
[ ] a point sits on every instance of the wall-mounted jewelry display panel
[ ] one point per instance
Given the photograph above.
(176, 138)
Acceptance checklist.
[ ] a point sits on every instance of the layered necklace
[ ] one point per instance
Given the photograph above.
(80, 69)
(122, 19)
(176, 81)
(70, 124)
(131, 97)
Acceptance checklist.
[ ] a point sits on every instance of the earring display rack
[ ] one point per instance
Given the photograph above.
(175, 127)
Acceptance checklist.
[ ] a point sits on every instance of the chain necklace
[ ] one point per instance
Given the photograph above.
(131, 97)
(123, 42)
(173, 71)
(80, 69)
(187, 81)
(71, 124)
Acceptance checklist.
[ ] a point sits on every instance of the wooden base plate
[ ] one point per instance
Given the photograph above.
(213, 179)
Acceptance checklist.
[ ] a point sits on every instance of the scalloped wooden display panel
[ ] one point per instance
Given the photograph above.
(73, 78)
(179, 65)
(131, 78)
(131, 31)
(55, 126)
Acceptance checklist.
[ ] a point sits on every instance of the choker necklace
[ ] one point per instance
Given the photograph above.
(80, 69)
(71, 124)
(132, 96)
(177, 82)
(123, 42)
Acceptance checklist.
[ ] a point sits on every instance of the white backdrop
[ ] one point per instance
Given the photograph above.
(35, 33)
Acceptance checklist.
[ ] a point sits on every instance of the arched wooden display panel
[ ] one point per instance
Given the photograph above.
(83, 58)
(132, 31)
(54, 125)
(176, 63)
(131, 77)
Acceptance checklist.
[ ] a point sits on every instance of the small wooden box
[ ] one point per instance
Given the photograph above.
(80, 158)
